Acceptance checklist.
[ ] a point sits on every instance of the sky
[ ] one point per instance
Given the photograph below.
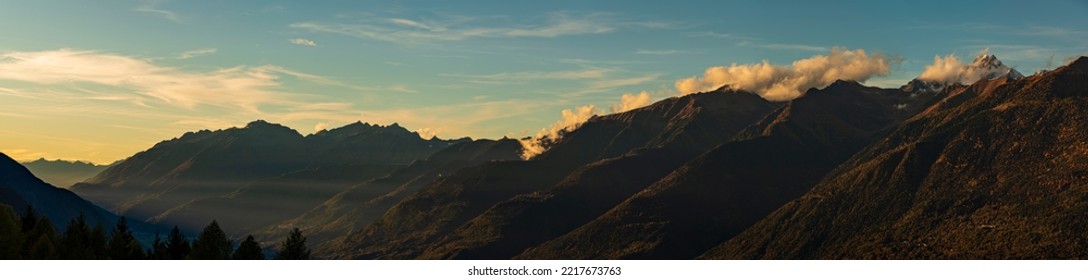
(100, 82)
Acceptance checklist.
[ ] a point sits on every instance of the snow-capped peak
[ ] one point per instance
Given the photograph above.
(949, 70)
(992, 68)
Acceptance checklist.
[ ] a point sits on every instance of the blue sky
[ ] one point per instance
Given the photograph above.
(102, 81)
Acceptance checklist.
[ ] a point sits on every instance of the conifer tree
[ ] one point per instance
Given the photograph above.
(29, 219)
(294, 247)
(11, 234)
(249, 250)
(212, 244)
(177, 246)
(158, 249)
(123, 245)
(41, 242)
(97, 242)
(76, 241)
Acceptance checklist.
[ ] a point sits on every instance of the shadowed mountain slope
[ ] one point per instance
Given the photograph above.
(688, 125)
(1001, 175)
(723, 191)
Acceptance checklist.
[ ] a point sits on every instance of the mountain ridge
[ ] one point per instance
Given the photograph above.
(994, 177)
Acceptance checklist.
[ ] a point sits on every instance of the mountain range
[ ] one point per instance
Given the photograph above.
(986, 164)
(63, 173)
(251, 176)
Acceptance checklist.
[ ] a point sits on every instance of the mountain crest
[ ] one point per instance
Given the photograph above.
(1081, 63)
(983, 67)
(992, 68)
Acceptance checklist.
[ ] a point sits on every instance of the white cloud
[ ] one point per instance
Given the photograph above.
(303, 42)
(631, 101)
(777, 82)
(321, 126)
(427, 133)
(569, 121)
(950, 69)
(196, 53)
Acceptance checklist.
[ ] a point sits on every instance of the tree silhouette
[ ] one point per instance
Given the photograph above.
(98, 241)
(249, 250)
(29, 219)
(41, 241)
(294, 247)
(177, 246)
(212, 244)
(11, 234)
(123, 245)
(76, 242)
(158, 249)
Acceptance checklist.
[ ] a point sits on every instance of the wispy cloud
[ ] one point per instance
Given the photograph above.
(408, 31)
(507, 77)
(240, 87)
(595, 78)
(1056, 32)
(712, 34)
(779, 46)
(797, 47)
(196, 53)
(720, 35)
(1015, 52)
(664, 52)
(303, 42)
(416, 24)
(24, 155)
(402, 88)
(610, 84)
(1028, 30)
(152, 7)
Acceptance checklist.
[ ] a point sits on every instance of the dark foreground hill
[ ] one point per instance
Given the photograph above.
(20, 189)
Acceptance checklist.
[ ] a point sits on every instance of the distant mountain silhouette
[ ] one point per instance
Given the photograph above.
(685, 126)
(19, 188)
(251, 176)
(999, 172)
(63, 173)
